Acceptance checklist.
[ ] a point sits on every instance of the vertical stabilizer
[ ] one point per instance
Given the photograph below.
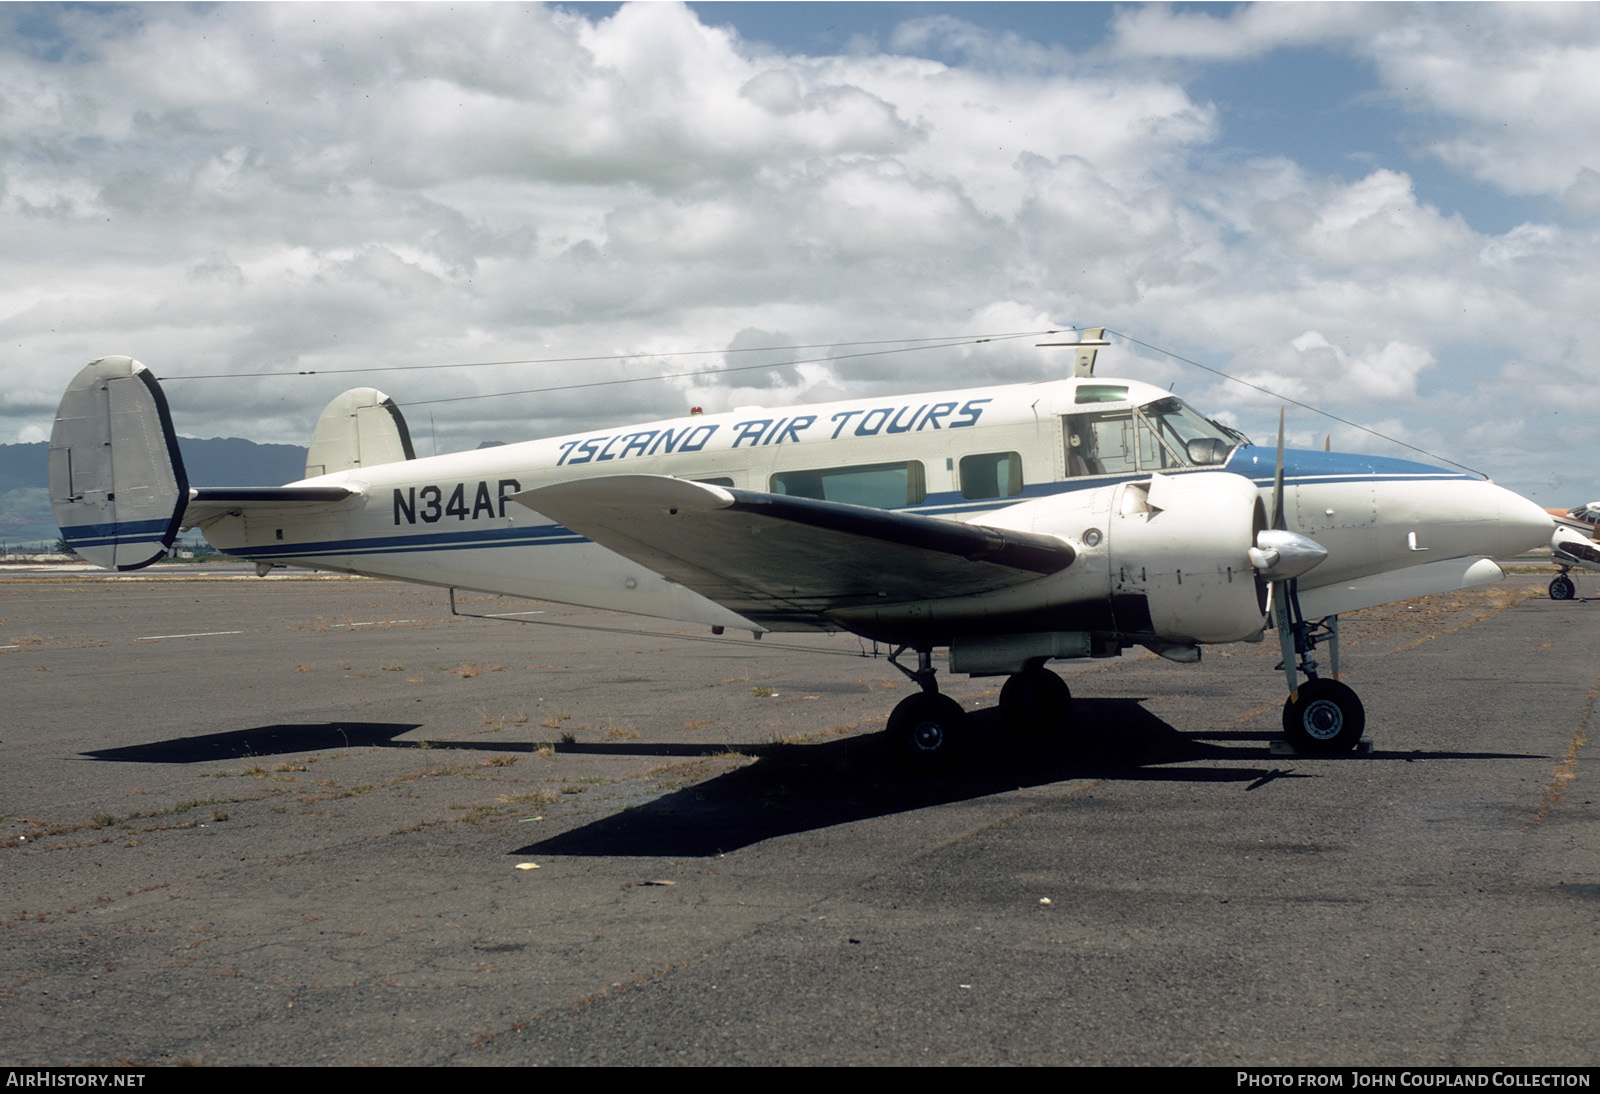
(117, 483)
(360, 428)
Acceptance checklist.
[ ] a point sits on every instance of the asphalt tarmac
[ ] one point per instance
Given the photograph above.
(323, 821)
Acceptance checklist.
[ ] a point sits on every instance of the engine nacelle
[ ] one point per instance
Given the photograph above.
(1180, 546)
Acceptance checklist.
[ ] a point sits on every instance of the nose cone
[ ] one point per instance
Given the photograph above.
(1520, 524)
(1463, 518)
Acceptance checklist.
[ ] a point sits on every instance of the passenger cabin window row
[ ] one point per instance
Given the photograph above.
(897, 485)
(1157, 436)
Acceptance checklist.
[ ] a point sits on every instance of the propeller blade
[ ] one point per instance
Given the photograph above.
(1277, 480)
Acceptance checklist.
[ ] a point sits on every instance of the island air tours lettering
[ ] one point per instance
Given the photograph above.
(463, 501)
(757, 432)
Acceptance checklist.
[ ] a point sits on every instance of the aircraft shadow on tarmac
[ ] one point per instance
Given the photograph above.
(276, 740)
(802, 787)
(799, 788)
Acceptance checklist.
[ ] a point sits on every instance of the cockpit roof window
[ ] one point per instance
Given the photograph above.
(1101, 393)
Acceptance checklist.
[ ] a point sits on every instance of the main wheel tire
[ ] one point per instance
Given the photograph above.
(928, 730)
(1036, 700)
(1562, 588)
(1324, 718)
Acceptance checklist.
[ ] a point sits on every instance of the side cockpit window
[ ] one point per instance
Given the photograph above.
(1101, 444)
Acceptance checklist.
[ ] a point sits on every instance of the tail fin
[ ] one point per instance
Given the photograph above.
(361, 428)
(117, 483)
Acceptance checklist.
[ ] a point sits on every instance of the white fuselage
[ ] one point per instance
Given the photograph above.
(1050, 457)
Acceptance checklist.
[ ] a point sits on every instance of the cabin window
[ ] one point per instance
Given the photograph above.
(991, 475)
(879, 485)
(720, 480)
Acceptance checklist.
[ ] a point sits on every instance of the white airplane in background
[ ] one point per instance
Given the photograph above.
(1012, 525)
(1573, 544)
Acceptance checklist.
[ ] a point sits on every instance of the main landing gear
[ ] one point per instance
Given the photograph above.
(931, 732)
(1035, 700)
(1562, 587)
(1321, 717)
(927, 729)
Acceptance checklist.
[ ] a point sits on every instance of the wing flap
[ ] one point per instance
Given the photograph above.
(772, 558)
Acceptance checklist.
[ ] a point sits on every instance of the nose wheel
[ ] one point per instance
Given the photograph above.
(1562, 587)
(1321, 717)
(1324, 718)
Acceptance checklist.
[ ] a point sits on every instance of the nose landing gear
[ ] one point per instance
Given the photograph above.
(1321, 717)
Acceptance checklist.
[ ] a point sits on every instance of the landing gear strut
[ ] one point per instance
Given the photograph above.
(1321, 716)
(927, 729)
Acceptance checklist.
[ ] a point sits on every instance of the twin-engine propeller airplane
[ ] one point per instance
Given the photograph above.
(1012, 525)
(1573, 544)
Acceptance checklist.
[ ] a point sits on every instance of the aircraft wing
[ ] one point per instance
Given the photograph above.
(207, 503)
(772, 558)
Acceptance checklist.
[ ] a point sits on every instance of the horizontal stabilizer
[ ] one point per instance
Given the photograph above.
(206, 503)
(772, 557)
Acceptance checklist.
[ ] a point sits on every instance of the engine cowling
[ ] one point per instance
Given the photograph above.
(1181, 544)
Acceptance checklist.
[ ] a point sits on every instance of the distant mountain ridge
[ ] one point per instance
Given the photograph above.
(25, 516)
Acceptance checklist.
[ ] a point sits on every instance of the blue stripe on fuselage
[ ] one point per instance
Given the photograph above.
(1254, 462)
(1258, 462)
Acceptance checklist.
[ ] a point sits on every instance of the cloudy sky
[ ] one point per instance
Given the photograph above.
(1389, 212)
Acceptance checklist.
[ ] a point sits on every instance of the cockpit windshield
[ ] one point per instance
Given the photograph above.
(1157, 436)
(1183, 430)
